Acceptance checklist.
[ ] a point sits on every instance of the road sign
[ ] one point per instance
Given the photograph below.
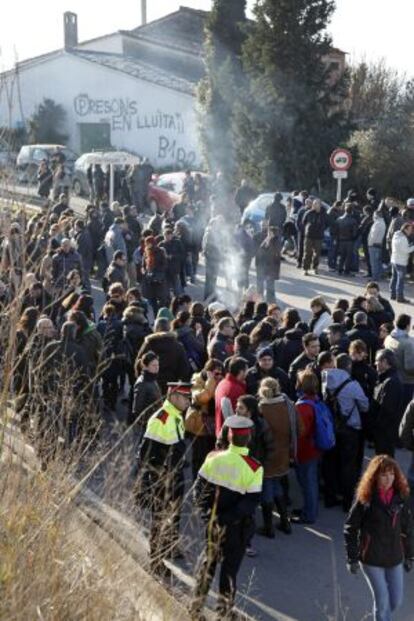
(340, 174)
(341, 159)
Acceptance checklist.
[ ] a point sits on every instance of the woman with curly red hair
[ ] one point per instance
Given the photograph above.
(379, 533)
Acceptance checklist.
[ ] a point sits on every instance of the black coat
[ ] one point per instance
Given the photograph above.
(287, 348)
(364, 333)
(299, 364)
(174, 365)
(386, 410)
(256, 374)
(378, 534)
(346, 228)
(314, 223)
(146, 393)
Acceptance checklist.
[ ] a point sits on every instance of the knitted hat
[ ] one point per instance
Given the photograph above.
(165, 313)
(265, 352)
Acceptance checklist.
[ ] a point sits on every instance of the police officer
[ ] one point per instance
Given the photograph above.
(161, 462)
(227, 490)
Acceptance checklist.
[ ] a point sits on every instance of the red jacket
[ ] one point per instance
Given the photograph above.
(230, 388)
(306, 443)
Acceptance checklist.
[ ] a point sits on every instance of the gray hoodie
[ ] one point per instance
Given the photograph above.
(351, 398)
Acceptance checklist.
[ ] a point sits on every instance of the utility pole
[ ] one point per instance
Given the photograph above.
(143, 12)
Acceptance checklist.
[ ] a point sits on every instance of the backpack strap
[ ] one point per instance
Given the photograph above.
(335, 394)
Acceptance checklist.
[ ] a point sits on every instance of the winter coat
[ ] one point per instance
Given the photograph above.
(227, 393)
(45, 180)
(351, 399)
(299, 364)
(175, 253)
(62, 264)
(315, 223)
(256, 374)
(221, 347)
(146, 393)
(400, 249)
(334, 214)
(406, 431)
(268, 257)
(91, 342)
(364, 333)
(173, 360)
(275, 214)
(377, 231)
(307, 450)
(346, 228)
(386, 407)
(379, 534)
(193, 345)
(402, 345)
(202, 394)
(114, 240)
(134, 333)
(320, 322)
(212, 244)
(116, 273)
(365, 375)
(287, 348)
(83, 243)
(280, 415)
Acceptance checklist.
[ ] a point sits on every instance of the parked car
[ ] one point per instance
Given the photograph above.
(256, 209)
(165, 190)
(30, 156)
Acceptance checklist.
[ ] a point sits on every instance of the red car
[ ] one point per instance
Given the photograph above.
(164, 192)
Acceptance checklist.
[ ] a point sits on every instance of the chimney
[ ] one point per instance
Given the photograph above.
(143, 12)
(70, 24)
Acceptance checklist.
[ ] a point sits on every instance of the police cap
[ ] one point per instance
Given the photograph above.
(240, 425)
(183, 388)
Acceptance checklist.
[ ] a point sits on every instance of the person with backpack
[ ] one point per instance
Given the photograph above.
(308, 455)
(341, 466)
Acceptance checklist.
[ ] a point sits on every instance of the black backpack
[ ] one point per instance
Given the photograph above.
(332, 401)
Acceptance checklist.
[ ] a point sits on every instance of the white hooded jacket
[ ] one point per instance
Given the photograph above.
(400, 249)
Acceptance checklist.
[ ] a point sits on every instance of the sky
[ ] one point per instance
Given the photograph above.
(372, 29)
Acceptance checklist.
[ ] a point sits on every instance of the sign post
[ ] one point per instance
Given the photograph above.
(341, 162)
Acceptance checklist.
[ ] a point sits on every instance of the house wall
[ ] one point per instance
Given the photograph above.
(148, 119)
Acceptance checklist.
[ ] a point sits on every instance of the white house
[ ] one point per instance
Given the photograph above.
(129, 89)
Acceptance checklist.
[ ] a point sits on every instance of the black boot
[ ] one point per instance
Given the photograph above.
(284, 523)
(267, 530)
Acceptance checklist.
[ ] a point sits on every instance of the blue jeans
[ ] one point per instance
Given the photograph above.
(272, 489)
(375, 258)
(269, 283)
(397, 280)
(386, 586)
(307, 475)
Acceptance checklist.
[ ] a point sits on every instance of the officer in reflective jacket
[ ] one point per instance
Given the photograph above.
(227, 490)
(161, 481)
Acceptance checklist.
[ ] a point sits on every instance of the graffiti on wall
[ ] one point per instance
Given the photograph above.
(124, 115)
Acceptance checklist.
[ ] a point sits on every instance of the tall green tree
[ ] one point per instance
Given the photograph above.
(290, 115)
(384, 149)
(216, 93)
(47, 123)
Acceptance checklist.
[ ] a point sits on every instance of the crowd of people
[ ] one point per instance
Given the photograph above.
(271, 391)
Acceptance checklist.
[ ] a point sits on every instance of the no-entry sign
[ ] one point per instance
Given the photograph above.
(341, 159)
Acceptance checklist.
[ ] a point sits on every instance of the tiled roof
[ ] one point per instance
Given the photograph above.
(137, 69)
